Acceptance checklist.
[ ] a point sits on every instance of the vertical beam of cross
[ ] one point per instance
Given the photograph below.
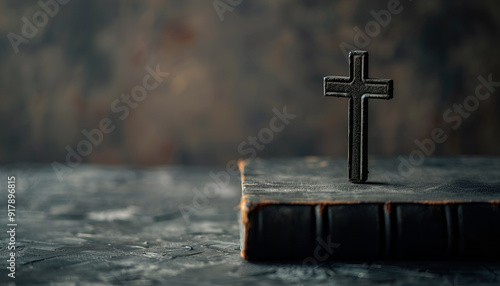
(358, 88)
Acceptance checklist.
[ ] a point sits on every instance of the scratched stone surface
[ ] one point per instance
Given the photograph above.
(122, 226)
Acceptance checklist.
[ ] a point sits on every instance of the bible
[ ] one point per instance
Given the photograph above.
(303, 208)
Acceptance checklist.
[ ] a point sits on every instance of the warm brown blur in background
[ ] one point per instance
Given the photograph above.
(226, 76)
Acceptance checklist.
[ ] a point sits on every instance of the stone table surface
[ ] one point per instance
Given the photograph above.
(118, 225)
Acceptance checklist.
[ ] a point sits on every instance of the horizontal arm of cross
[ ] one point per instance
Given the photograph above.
(337, 86)
(378, 88)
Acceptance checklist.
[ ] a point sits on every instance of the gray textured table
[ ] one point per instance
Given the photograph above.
(122, 226)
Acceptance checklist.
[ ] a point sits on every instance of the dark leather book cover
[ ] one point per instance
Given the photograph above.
(306, 209)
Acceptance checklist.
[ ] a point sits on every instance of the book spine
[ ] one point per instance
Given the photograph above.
(316, 233)
(279, 232)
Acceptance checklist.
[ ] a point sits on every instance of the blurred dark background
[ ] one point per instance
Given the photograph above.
(230, 63)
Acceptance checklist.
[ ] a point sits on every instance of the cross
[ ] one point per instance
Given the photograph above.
(358, 88)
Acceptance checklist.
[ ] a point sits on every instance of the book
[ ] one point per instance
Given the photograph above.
(306, 209)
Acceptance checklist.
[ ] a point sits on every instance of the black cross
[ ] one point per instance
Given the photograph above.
(358, 88)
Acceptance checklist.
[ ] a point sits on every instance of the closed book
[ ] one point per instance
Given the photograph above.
(306, 209)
